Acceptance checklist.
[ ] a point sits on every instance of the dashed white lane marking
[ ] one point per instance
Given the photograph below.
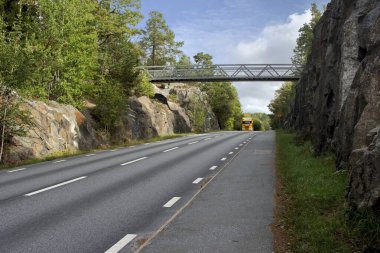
(146, 144)
(11, 171)
(236, 148)
(90, 155)
(132, 146)
(55, 186)
(191, 143)
(196, 181)
(60, 161)
(168, 150)
(171, 202)
(142, 158)
(230, 153)
(240, 145)
(121, 244)
(223, 159)
(113, 150)
(207, 139)
(213, 167)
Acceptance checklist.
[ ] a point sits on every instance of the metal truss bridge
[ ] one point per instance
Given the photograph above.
(216, 73)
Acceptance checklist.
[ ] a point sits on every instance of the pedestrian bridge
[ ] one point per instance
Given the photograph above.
(218, 73)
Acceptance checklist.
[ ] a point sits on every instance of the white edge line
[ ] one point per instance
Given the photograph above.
(10, 171)
(171, 202)
(213, 167)
(60, 161)
(168, 150)
(142, 158)
(54, 186)
(196, 181)
(121, 244)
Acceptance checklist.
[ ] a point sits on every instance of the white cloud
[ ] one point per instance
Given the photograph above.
(236, 41)
(275, 43)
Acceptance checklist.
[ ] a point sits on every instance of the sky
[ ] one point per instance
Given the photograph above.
(237, 32)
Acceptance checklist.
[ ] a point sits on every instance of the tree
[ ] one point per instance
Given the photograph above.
(184, 60)
(302, 50)
(14, 121)
(263, 118)
(280, 106)
(203, 59)
(158, 41)
(257, 125)
(225, 104)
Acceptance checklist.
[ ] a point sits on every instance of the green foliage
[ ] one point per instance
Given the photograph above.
(303, 47)
(264, 120)
(184, 60)
(158, 41)
(198, 114)
(225, 104)
(203, 59)
(257, 125)
(144, 87)
(313, 193)
(173, 97)
(13, 120)
(280, 106)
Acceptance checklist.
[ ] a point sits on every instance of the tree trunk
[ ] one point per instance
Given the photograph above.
(154, 55)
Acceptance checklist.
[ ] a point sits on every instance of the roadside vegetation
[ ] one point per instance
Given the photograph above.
(311, 215)
(53, 50)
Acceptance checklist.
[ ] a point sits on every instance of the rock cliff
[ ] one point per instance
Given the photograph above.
(337, 101)
(60, 127)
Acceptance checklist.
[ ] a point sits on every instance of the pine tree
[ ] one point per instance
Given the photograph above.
(158, 41)
(303, 47)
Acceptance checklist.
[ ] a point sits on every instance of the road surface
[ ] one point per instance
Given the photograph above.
(111, 201)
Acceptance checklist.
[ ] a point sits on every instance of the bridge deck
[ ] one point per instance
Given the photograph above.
(215, 73)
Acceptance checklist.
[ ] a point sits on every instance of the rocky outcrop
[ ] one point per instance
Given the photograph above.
(58, 127)
(146, 118)
(195, 103)
(55, 128)
(337, 101)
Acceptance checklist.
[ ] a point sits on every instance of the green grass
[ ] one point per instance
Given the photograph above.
(312, 197)
(71, 153)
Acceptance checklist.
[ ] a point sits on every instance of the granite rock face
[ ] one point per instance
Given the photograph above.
(56, 128)
(192, 99)
(146, 118)
(337, 101)
(60, 127)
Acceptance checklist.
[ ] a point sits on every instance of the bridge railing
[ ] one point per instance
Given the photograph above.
(237, 72)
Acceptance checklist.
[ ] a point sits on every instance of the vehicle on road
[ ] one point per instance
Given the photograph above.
(247, 123)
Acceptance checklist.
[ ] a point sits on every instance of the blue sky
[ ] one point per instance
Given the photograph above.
(238, 31)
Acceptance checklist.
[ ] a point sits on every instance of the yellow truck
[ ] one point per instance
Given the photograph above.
(247, 123)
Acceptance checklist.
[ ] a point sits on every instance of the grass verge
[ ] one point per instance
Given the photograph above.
(71, 153)
(311, 214)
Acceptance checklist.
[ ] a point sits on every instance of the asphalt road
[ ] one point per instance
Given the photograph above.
(108, 201)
